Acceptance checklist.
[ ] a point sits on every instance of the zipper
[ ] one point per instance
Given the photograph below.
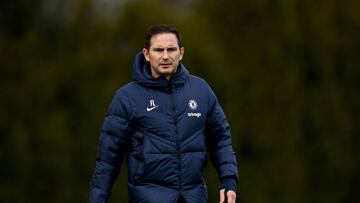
(177, 138)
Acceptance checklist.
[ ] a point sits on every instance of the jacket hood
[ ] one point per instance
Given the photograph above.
(142, 74)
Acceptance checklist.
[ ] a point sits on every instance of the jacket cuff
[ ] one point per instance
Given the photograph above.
(229, 183)
(98, 196)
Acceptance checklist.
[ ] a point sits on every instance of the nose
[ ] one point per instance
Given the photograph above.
(165, 55)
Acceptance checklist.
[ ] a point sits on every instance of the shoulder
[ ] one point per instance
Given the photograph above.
(196, 80)
(201, 86)
(123, 95)
(127, 89)
(122, 100)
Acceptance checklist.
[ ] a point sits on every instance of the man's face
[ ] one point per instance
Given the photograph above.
(164, 54)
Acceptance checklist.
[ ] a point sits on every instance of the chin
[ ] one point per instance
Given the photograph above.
(168, 72)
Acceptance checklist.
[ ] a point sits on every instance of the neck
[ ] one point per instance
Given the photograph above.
(156, 75)
(168, 77)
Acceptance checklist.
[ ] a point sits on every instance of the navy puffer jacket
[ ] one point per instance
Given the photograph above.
(165, 129)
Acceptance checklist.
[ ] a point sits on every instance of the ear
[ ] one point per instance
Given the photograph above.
(146, 54)
(182, 50)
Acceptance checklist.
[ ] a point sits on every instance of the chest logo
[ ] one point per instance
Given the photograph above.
(152, 105)
(193, 104)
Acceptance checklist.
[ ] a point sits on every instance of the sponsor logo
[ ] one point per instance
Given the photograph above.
(152, 105)
(191, 114)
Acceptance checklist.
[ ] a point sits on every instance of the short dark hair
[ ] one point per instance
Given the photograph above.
(162, 28)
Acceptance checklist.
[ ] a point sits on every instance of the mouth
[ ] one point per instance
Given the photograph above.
(165, 64)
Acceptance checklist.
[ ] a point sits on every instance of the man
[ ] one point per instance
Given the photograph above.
(165, 122)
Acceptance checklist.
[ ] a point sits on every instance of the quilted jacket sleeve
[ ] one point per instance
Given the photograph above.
(219, 141)
(113, 140)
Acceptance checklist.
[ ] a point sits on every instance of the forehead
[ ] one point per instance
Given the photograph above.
(164, 40)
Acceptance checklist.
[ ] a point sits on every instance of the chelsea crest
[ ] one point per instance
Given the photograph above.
(193, 104)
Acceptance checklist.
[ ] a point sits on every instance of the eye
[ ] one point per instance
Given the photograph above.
(172, 49)
(158, 49)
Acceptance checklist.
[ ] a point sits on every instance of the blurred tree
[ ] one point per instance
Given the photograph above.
(286, 64)
(286, 73)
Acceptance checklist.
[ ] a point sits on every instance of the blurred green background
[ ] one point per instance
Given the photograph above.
(287, 73)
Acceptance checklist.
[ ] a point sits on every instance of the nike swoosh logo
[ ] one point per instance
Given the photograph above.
(151, 108)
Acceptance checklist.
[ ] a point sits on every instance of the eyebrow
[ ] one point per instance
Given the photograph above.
(167, 49)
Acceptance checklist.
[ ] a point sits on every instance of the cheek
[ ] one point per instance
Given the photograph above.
(153, 60)
(153, 57)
